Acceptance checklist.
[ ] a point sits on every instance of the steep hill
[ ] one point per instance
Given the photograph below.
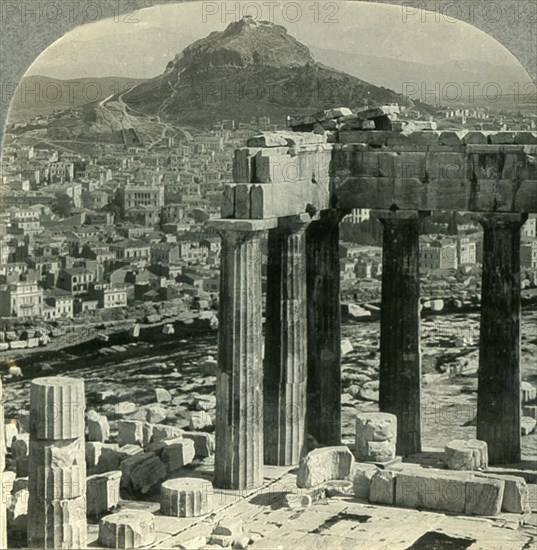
(252, 68)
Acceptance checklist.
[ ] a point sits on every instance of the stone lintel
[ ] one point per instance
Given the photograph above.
(242, 225)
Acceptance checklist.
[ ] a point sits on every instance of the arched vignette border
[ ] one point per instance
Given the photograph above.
(511, 22)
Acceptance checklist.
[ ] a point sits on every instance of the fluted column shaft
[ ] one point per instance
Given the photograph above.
(57, 464)
(239, 392)
(498, 400)
(400, 359)
(324, 328)
(285, 364)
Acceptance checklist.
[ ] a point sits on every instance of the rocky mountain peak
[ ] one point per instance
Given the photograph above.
(243, 43)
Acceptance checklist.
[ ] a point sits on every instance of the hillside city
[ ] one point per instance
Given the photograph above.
(214, 331)
(95, 235)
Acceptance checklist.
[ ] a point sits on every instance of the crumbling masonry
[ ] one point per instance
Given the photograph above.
(296, 186)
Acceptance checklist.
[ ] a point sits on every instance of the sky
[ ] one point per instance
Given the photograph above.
(141, 46)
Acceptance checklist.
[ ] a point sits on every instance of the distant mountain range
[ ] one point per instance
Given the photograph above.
(447, 77)
(42, 95)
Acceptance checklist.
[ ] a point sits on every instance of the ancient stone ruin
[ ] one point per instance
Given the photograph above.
(294, 188)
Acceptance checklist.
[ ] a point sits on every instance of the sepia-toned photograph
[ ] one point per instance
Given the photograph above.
(268, 275)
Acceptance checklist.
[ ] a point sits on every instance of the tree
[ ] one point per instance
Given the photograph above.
(62, 205)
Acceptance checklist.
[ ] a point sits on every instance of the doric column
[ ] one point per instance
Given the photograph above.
(239, 390)
(57, 464)
(324, 328)
(3, 526)
(400, 361)
(285, 364)
(498, 400)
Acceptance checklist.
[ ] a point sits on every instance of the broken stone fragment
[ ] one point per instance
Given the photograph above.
(168, 329)
(203, 443)
(484, 497)
(516, 499)
(155, 414)
(355, 123)
(98, 427)
(102, 492)
(338, 487)
(380, 451)
(209, 365)
(103, 457)
(346, 346)
(527, 425)
(336, 112)
(123, 409)
(382, 487)
(470, 454)
(267, 139)
(205, 403)
(178, 455)
(375, 427)
(158, 446)
(186, 497)
(161, 431)
(363, 473)
(325, 464)
(423, 125)
(302, 122)
(130, 432)
(162, 395)
(200, 421)
(369, 393)
(374, 112)
(229, 527)
(220, 540)
(142, 473)
(376, 434)
(129, 529)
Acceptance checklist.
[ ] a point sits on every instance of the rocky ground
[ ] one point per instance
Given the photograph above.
(134, 369)
(172, 379)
